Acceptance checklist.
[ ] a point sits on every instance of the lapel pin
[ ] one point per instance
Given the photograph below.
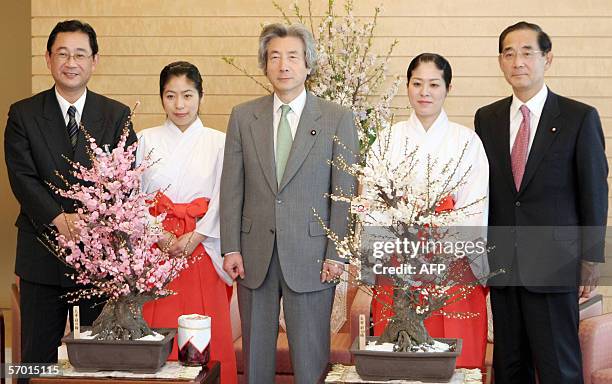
(553, 129)
(313, 132)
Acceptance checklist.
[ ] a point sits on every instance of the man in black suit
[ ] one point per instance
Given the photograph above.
(547, 214)
(41, 131)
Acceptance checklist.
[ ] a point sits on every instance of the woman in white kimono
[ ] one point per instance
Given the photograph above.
(185, 179)
(430, 132)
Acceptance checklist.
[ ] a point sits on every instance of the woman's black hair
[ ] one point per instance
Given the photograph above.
(180, 68)
(440, 62)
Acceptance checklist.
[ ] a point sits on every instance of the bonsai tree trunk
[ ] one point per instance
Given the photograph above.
(121, 319)
(406, 328)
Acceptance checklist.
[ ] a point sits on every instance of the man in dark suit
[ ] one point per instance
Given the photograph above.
(547, 214)
(41, 131)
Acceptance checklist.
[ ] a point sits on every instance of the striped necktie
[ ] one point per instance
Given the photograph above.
(284, 140)
(72, 127)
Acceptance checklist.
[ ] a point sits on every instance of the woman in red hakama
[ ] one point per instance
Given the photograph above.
(185, 178)
(430, 133)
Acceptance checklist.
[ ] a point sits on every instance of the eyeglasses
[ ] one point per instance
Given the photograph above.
(526, 54)
(63, 56)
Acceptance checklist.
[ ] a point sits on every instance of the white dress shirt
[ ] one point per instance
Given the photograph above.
(79, 105)
(293, 116)
(535, 105)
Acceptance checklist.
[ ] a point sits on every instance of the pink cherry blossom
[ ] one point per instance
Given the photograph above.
(115, 251)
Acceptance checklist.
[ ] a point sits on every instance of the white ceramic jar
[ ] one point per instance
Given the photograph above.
(194, 339)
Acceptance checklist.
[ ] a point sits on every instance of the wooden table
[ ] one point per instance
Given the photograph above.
(208, 375)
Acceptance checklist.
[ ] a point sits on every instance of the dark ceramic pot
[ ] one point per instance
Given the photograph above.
(422, 366)
(119, 355)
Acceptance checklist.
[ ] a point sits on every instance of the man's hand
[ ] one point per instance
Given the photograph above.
(331, 271)
(232, 264)
(589, 277)
(65, 225)
(186, 244)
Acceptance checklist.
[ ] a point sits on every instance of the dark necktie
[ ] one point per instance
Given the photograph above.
(72, 127)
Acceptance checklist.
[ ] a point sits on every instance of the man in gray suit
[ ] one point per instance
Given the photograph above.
(276, 171)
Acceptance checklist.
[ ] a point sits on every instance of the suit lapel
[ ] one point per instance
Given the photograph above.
(304, 140)
(503, 143)
(262, 130)
(52, 128)
(543, 138)
(93, 123)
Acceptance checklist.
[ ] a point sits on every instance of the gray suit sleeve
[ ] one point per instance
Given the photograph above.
(341, 181)
(232, 188)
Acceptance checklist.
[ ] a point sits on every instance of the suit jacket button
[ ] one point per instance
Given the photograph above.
(518, 204)
(279, 201)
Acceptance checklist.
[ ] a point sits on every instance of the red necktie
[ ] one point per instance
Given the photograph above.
(520, 148)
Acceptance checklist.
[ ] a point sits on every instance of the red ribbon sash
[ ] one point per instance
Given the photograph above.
(180, 218)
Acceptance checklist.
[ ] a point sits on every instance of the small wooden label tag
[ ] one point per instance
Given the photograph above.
(358, 207)
(76, 322)
(362, 332)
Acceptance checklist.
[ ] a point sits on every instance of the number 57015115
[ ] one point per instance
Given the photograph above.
(27, 370)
